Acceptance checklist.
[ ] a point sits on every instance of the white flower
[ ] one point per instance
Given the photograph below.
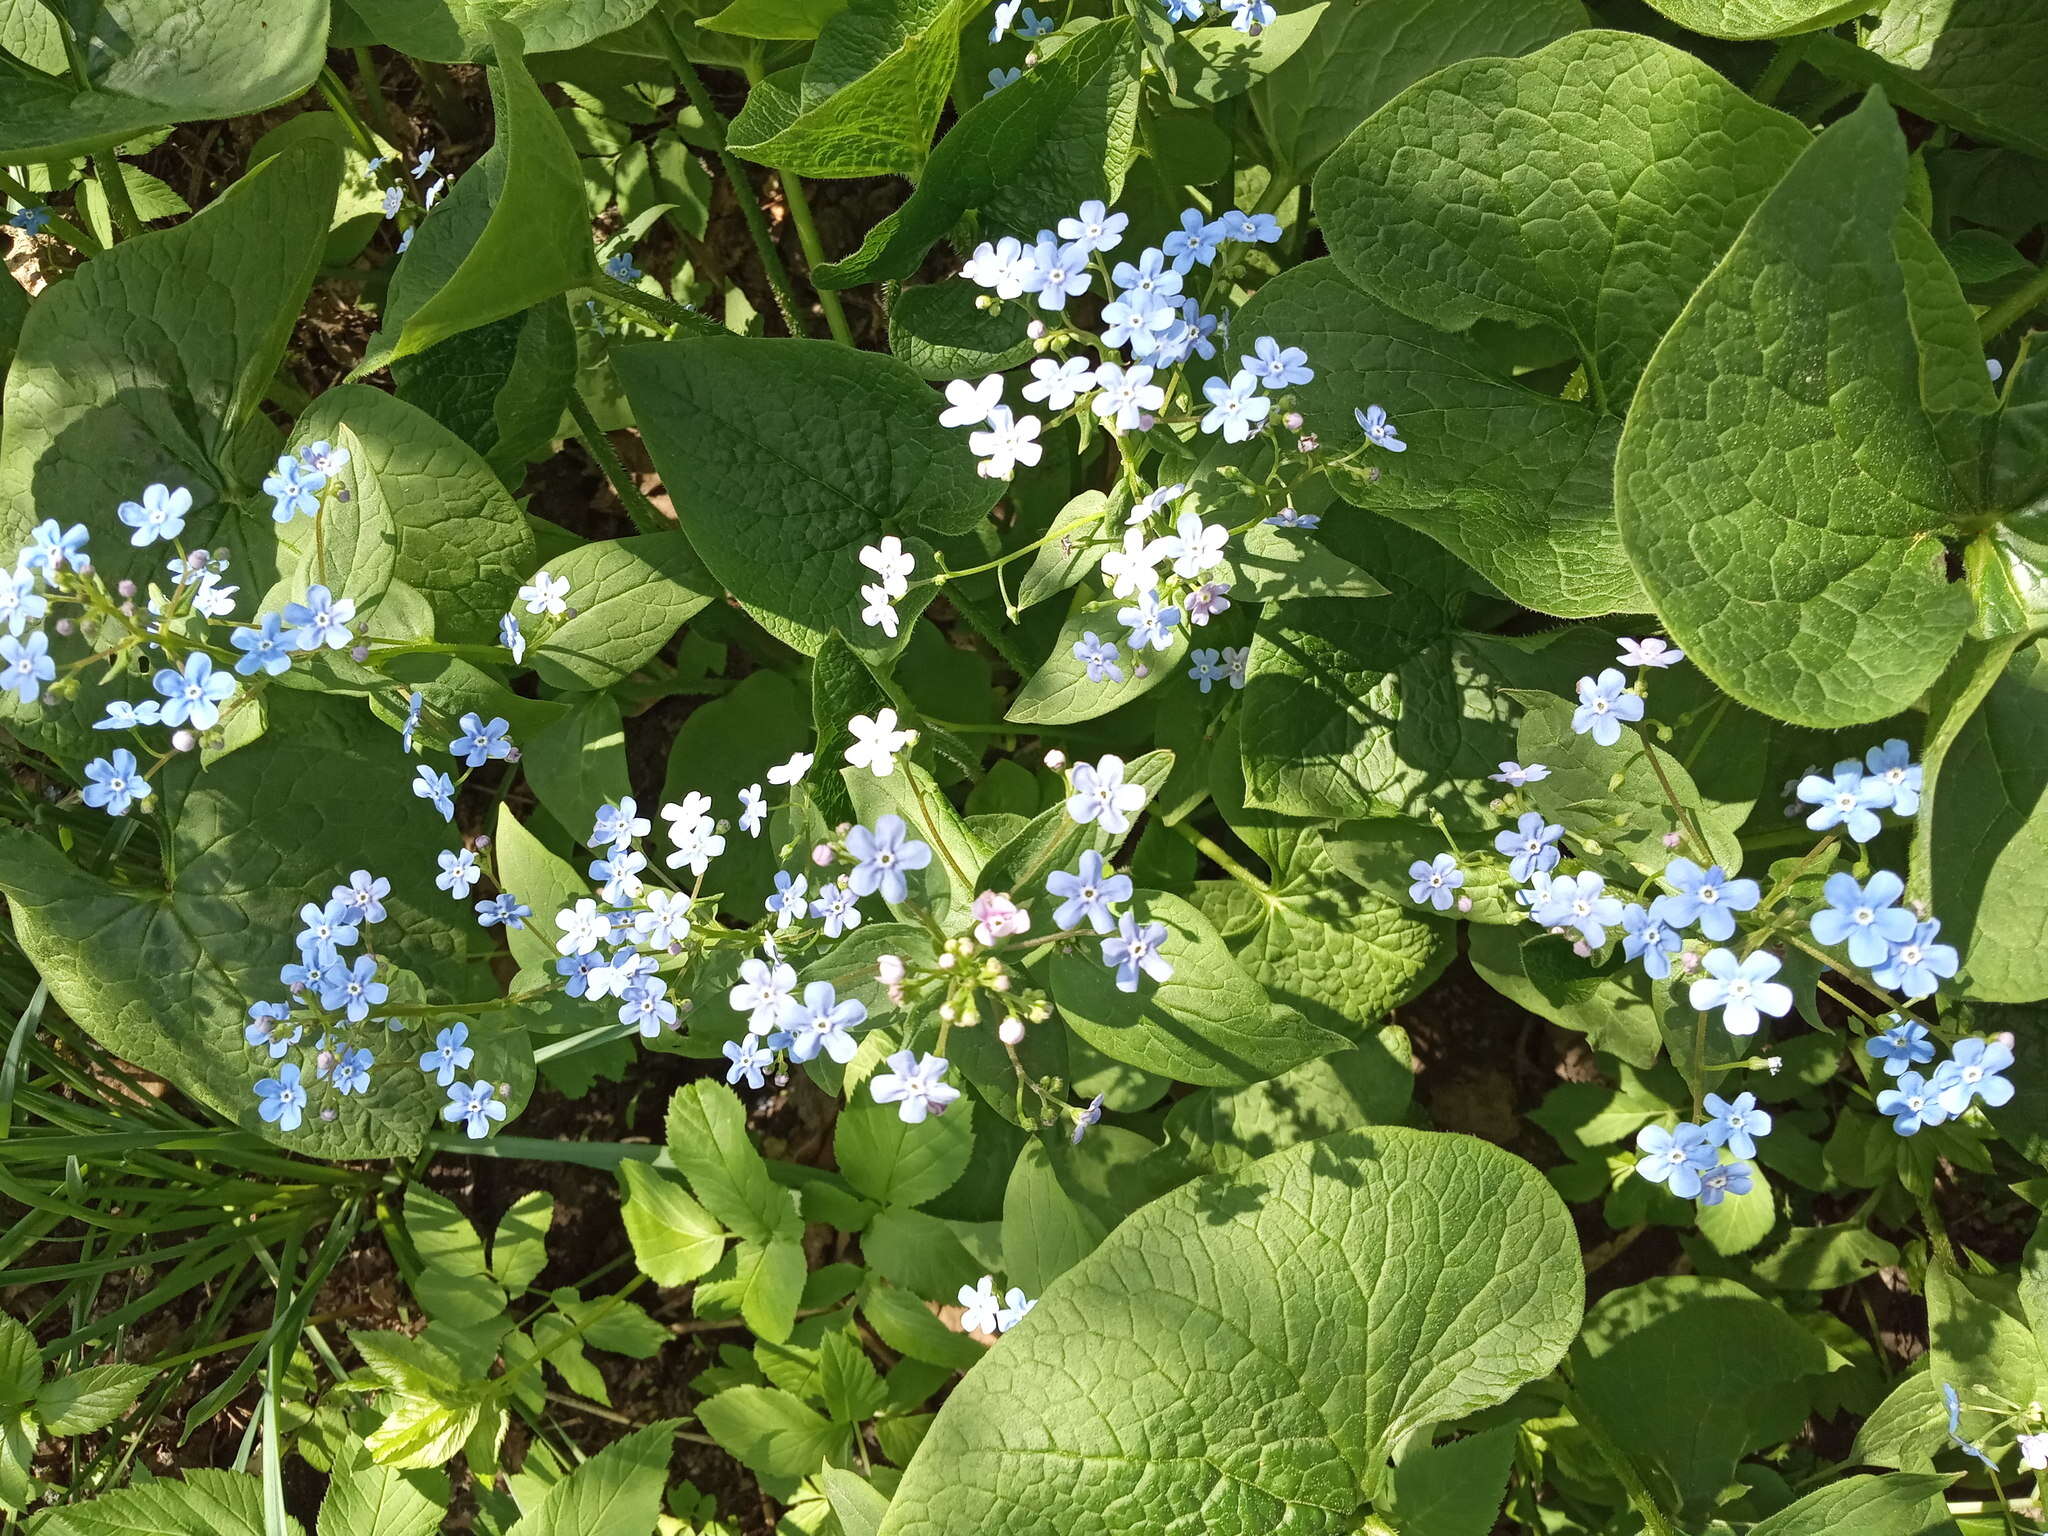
(1015, 1305)
(1234, 659)
(876, 742)
(1056, 384)
(1126, 394)
(762, 990)
(917, 1086)
(878, 612)
(1006, 443)
(2034, 1453)
(1194, 546)
(1145, 506)
(696, 807)
(980, 1311)
(792, 771)
(1653, 652)
(969, 405)
(545, 594)
(752, 809)
(1134, 569)
(892, 562)
(583, 927)
(1101, 795)
(696, 845)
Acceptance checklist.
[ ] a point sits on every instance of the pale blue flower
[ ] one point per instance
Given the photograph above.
(1604, 704)
(916, 1085)
(1892, 767)
(327, 926)
(1917, 964)
(1901, 1046)
(1973, 1072)
(1100, 655)
(280, 1100)
(1736, 1123)
(31, 219)
(1093, 226)
(194, 694)
(821, 1021)
(321, 620)
(1912, 1103)
(423, 164)
(1235, 408)
(882, 858)
(1865, 917)
(51, 550)
(1149, 622)
(1134, 948)
(837, 909)
(1277, 367)
(1250, 228)
(1531, 848)
(114, 784)
(364, 894)
(997, 79)
(451, 1054)
(20, 603)
(415, 705)
(265, 647)
(1675, 1158)
(1647, 937)
(25, 665)
(1718, 1184)
(617, 825)
(789, 899)
(159, 515)
(1435, 882)
(476, 1105)
(749, 1060)
(1088, 891)
(1741, 989)
(294, 489)
(355, 991)
(479, 742)
(620, 268)
(1195, 242)
(512, 638)
(459, 873)
(1372, 421)
(1058, 272)
(437, 788)
(1032, 26)
(1706, 896)
(1579, 902)
(352, 1070)
(1848, 799)
(1205, 669)
(124, 716)
(1136, 321)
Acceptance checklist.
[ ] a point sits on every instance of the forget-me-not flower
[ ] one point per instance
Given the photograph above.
(354, 991)
(1676, 1158)
(1093, 226)
(159, 515)
(1647, 937)
(450, 1054)
(822, 1021)
(1134, 948)
(437, 788)
(1277, 367)
(1717, 1184)
(1742, 989)
(1604, 703)
(352, 1070)
(1379, 431)
(294, 489)
(1892, 767)
(762, 989)
(882, 858)
(195, 694)
(1653, 652)
(1848, 799)
(114, 784)
(915, 1085)
(476, 1105)
(1100, 657)
(265, 647)
(1057, 383)
(1149, 622)
(1912, 1103)
(789, 898)
(1973, 1072)
(481, 742)
(1100, 794)
(1736, 1123)
(1902, 1046)
(321, 620)
(1579, 902)
(837, 910)
(1865, 917)
(25, 665)
(1917, 964)
(1087, 892)
(1516, 775)
(458, 871)
(1436, 882)
(503, 908)
(1708, 897)
(1531, 847)
(281, 1100)
(1235, 408)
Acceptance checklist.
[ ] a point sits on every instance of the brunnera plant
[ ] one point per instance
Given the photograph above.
(1288, 505)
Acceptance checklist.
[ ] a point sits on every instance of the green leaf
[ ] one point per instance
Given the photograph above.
(918, 1252)
(909, 1327)
(785, 458)
(899, 1164)
(501, 387)
(1378, 853)
(462, 541)
(942, 331)
(456, 1285)
(203, 1503)
(708, 1142)
(1033, 151)
(771, 1432)
(1610, 1007)
(460, 31)
(1361, 56)
(1223, 1129)
(579, 762)
(1209, 1022)
(1746, 20)
(1075, 542)
(1272, 565)
(519, 1248)
(617, 1492)
(868, 99)
(366, 1499)
(1901, 1504)
(148, 64)
(858, 1504)
(21, 1364)
(1979, 1343)
(1046, 1231)
(774, 20)
(1972, 64)
(1825, 1258)
(91, 1398)
(520, 234)
(1453, 1489)
(1783, 413)
(528, 869)
(763, 1282)
(1446, 203)
(1206, 65)
(1060, 691)
(630, 596)
(163, 975)
(1740, 1222)
(1514, 482)
(851, 1387)
(1986, 825)
(674, 1239)
(1255, 1347)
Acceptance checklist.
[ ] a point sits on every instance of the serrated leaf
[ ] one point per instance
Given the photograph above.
(366, 1499)
(204, 1502)
(456, 1285)
(1280, 1308)
(1791, 542)
(674, 1239)
(617, 1492)
(899, 1164)
(519, 1247)
(459, 31)
(1902, 1504)
(91, 1398)
(21, 1364)
(769, 1431)
(708, 1142)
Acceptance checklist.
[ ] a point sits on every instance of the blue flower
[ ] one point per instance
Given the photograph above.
(1087, 892)
(394, 199)
(449, 1055)
(1515, 775)
(1059, 271)
(1901, 1046)
(1435, 882)
(1133, 949)
(1249, 16)
(423, 164)
(30, 220)
(265, 648)
(1864, 916)
(1149, 274)
(1287, 517)
(1196, 240)
(790, 898)
(1030, 26)
(1728, 1179)
(1911, 1104)
(1275, 366)
(1205, 668)
(480, 743)
(1251, 228)
(323, 456)
(1088, 1118)
(1149, 622)
(20, 603)
(1973, 1072)
(1100, 794)
(476, 1105)
(644, 1005)
(617, 825)
(1531, 848)
(354, 991)
(620, 268)
(1706, 896)
(1183, 10)
(1236, 407)
(836, 908)
(749, 1060)
(512, 638)
(822, 1022)
(916, 1085)
(997, 79)
(1100, 655)
(352, 1070)
(1604, 703)
(124, 716)
(883, 856)
(114, 785)
(280, 1100)
(1892, 768)
(294, 489)
(1580, 902)
(1372, 421)
(1676, 1158)
(51, 550)
(1736, 1124)
(25, 665)
(194, 694)
(436, 787)
(364, 895)
(1955, 1423)
(414, 705)
(503, 908)
(329, 926)
(322, 619)
(1917, 965)
(1137, 320)
(1648, 937)
(1848, 799)
(159, 515)
(1094, 227)
(1742, 989)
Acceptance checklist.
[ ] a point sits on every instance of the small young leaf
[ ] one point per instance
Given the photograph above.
(674, 1239)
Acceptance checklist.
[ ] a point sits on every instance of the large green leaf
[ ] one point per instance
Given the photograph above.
(1061, 692)
(785, 458)
(163, 976)
(1361, 56)
(617, 1492)
(459, 31)
(149, 63)
(1901, 1504)
(629, 597)
(1251, 1348)
(515, 232)
(1747, 19)
(1779, 483)
(869, 98)
(1518, 484)
(1222, 1129)
(1588, 186)
(501, 387)
(1023, 157)
(1973, 63)
(204, 1502)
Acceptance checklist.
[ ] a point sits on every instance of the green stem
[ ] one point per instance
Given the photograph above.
(814, 256)
(1779, 70)
(59, 226)
(379, 110)
(638, 507)
(1222, 858)
(666, 311)
(127, 222)
(2016, 306)
(1655, 1521)
(990, 627)
(743, 188)
(337, 97)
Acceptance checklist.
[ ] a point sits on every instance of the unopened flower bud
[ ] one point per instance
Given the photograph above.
(1000, 983)
(1146, 421)
(1035, 329)
(1055, 759)
(1689, 962)
(948, 961)
(1011, 1031)
(482, 840)
(821, 854)
(1291, 421)
(359, 653)
(1582, 949)
(1039, 1011)
(328, 1115)
(1671, 839)
(948, 1013)
(1142, 670)
(63, 626)
(889, 970)
(781, 1079)
(125, 587)
(1309, 442)
(183, 741)
(324, 1062)
(1464, 903)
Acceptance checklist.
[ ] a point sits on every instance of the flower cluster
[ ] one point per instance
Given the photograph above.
(1973, 1072)
(1687, 1159)
(546, 601)
(982, 1312)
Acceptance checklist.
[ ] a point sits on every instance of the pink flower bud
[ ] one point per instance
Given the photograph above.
(1291, 421)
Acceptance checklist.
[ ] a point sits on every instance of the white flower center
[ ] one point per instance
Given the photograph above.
(1864, 917)
(1910, 954)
